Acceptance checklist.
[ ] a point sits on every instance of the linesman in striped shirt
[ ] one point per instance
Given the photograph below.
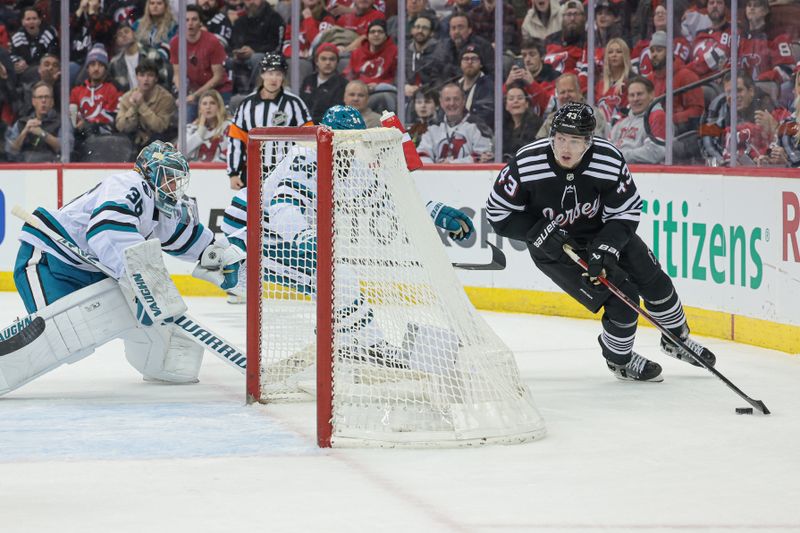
(573, 188)
(269, 106)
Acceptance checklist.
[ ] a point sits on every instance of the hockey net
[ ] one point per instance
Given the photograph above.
(374, 321)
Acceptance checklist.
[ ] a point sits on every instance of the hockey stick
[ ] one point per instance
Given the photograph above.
(190, 326)
(758, 404)
(498, 261)
(29, 333)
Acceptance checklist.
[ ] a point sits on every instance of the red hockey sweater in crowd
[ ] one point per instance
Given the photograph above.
(359, 23)
(763, 59)
(640, 55)
(96, 105)
(309, 29)
(686, 105)
(711, 50)
(379, 66)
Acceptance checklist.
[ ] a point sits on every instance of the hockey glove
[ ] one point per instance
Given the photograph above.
(220, 264)
(549, 239)
(602, 261)
(456, 222)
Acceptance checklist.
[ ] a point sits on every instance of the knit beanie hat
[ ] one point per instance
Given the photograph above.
(97, 53)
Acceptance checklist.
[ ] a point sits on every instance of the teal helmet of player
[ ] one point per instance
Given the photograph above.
(343, 117)
(167, 170)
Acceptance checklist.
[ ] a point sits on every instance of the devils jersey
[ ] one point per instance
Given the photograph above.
(763, 59)
(565, 56)
(596, 197)
(640, 55)
(711, 50)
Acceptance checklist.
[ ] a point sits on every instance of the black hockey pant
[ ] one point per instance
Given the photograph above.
(640, 276)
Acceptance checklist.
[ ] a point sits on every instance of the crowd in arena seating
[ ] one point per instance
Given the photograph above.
(123, 74)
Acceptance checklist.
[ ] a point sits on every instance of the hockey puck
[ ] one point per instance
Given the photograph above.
(744, 410)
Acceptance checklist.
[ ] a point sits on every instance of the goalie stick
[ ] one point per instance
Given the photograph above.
(758, 404)
(29, 333)
(190, 326)
(498, 261)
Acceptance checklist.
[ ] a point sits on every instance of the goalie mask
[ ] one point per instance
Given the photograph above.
(343, 117)
(165, 168)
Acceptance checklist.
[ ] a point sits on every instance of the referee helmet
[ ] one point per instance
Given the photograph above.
(274, 61)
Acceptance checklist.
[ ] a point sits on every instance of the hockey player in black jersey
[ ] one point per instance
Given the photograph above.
(573, 188)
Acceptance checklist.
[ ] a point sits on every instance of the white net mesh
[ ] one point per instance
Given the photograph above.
(413, 362)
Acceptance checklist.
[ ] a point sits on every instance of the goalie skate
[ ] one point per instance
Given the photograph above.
(698, 350)
(637, 369)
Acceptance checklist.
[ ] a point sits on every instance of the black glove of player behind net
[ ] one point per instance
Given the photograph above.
(602, 261)
(549, 238)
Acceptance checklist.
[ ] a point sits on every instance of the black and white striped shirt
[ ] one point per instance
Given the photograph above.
(598, 195)
(31, 49)
(286, 109)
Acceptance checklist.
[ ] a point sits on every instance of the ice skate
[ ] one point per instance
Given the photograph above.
(637, 369)
(236, 299)
(673, 350)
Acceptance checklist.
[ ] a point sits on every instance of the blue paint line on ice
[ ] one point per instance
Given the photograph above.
(86, 431)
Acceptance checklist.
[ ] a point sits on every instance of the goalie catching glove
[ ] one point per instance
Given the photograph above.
(220, 263)
(456, 222)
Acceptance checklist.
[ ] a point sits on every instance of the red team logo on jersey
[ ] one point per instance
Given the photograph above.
(452, 147)
(373, 68)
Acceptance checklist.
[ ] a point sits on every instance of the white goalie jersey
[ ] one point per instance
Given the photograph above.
(116, 214)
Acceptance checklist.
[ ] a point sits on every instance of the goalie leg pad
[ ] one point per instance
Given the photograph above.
(74, 326)
(162, 354)
(149, 280)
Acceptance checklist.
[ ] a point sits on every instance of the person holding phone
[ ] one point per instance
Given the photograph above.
(531, 73)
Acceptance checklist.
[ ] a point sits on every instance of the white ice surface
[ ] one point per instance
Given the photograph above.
(92, 448)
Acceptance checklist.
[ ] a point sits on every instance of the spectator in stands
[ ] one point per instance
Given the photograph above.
(31, 42)
(688, 105)
(122, 68)
(640, 55)
(87, 26)
(359, 20)
(421, 66)
(259, 31)
(756, 119)
(35, 138)
(147, 113)
(341, 7)
(765, 59)
(785, 147)
(477, 86)
(711, 47)
(640, 135)
(356, 94)
(157, 26)
(611, 90)
(695, 19)
(454, 7)
(9, 92)
(608, 23)
(315, 20)
(215, 21)
(426, 112)
(482, 20)
(48, 71)
(414, 9)
(205, 137)
(449, 50)
(205, 68)
(375, 63)
(542, 19)
(459, 137)
(520, 124)
(564, 49)
(325, 87)
(93, 105)
(568, 89)
(124, 10)
(534, 75)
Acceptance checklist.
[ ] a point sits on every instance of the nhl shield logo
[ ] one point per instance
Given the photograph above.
(279, 118)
